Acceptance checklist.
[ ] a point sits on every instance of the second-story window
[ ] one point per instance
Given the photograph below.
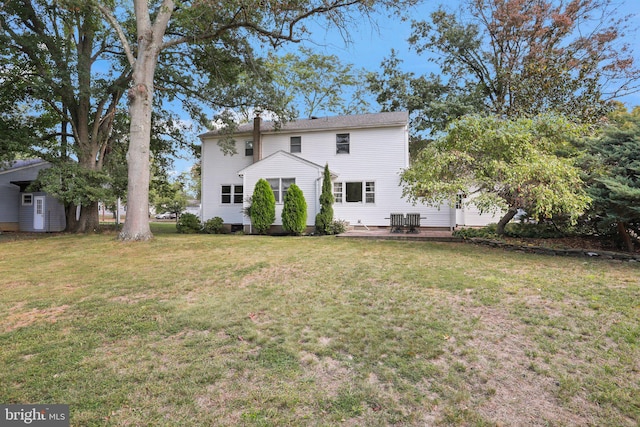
(296, 144)
(342, 143)
(248, 148)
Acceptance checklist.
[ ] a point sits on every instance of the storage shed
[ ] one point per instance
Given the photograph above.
(25, 210)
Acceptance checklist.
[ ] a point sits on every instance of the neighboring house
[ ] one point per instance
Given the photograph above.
(23, 210)
(365, 153)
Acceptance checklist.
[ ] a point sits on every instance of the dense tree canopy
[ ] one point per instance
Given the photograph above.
(513, 58)
(613, 160)
(320, 82)
(504, 164)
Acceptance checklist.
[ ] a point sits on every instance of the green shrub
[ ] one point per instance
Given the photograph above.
(263, 207)
(294, 211)
(338, 226)
(533, 230)
(188, 223)
(488, 232)
(324, 219)
(213, 226)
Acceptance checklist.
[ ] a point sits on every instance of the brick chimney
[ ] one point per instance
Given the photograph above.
(257, 138)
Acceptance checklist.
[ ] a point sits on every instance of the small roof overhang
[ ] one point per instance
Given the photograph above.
(289, 156)
(22, 184)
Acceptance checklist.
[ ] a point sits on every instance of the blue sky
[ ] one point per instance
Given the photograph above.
(371, 43)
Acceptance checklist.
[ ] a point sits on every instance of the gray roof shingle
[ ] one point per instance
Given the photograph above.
(323, 123)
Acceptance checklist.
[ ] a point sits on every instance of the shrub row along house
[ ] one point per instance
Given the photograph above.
(365, 154)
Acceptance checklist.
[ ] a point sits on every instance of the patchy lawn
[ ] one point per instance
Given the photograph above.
(246, 330)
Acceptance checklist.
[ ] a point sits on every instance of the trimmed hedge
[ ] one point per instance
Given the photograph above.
(294, 211)
(263, 207)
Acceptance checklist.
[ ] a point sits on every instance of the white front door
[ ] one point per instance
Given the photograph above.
(38, 213)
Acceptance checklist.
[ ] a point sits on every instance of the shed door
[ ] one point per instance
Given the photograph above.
(38, 213)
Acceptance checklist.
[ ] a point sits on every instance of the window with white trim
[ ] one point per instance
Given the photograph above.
(337, 192)
(280, 187)
(354, 192)
(370, 192)
(248, 148)
(231, 194)
(342, 143)
(27, 199)
(295, 145)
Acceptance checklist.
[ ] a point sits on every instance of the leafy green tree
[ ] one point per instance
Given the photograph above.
(614, 181)
(507, 164)
(319, 82)
(173, 200)
(49, 52)
(294, 211)
(513, 58)
(263, 207)
(324, 218)
(188, 223)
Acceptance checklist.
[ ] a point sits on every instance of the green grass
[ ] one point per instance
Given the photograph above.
(198, 330)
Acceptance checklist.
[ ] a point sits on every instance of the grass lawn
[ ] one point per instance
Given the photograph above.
(195, 330)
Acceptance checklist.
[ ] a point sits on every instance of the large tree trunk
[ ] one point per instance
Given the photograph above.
(624, 235)
(136, 226)
(70, 215)
(505, 220)
(89, 220)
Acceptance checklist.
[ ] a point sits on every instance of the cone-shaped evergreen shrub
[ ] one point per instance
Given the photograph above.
(263, 207)
(294, 211)
(324, 219)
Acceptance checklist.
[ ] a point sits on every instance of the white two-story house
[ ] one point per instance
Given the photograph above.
(365, 153)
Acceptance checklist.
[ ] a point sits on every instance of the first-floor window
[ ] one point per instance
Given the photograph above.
(354, 192)
(231, 194)
(280, 187)
(27, 199)
(337, 192)
(370, 192)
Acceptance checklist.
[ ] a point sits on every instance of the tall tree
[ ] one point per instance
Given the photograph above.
(514, 58)
(319, 83)
(324, 218)
(614, 180)
(50, 51)
(202, 34)
(506, 164)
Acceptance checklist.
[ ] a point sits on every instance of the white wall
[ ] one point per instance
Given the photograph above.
(219, 170)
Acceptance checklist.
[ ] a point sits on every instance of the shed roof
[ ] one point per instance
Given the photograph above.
(12, 165)
(355, 121)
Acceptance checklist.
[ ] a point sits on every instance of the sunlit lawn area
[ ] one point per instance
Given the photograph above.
(195, 330)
